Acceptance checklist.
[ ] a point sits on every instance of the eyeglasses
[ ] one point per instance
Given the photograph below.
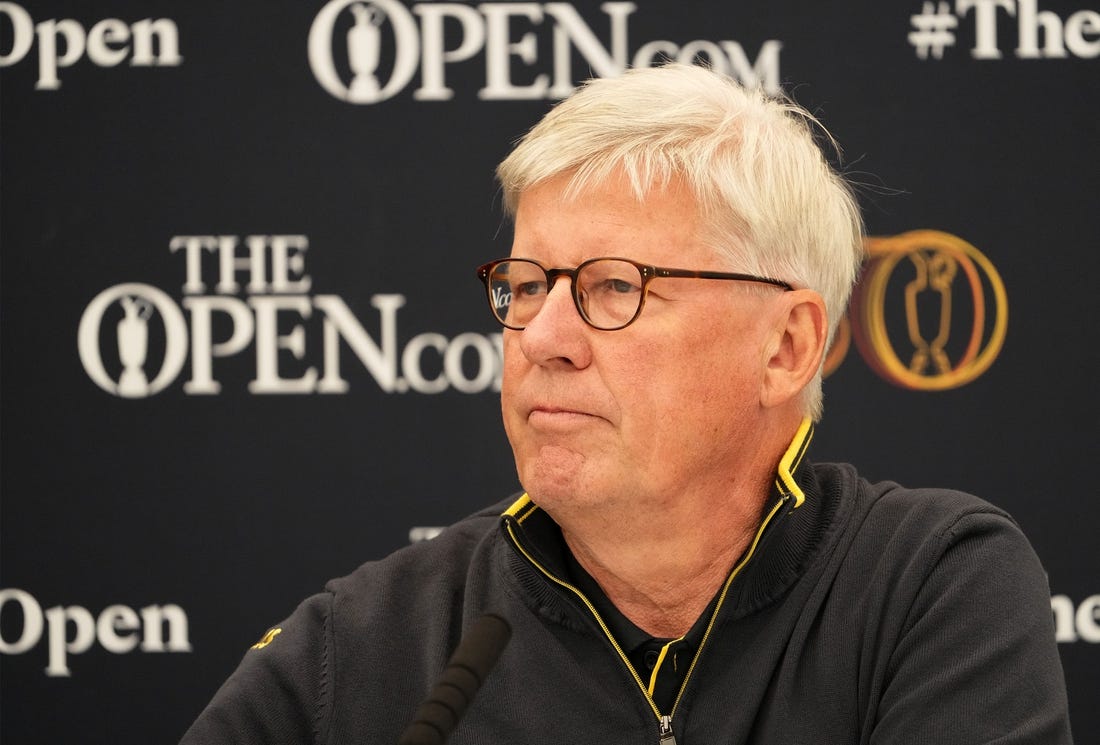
(609, 292)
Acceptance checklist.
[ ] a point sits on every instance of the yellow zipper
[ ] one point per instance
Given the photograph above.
(722, 598)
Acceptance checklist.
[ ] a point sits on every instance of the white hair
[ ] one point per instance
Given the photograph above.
(770, 202)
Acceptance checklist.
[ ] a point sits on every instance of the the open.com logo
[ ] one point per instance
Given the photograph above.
(944, 293)
(367, 51)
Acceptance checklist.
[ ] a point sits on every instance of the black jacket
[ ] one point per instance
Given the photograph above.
(864, 614)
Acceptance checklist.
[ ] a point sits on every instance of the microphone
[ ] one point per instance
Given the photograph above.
(475, 656)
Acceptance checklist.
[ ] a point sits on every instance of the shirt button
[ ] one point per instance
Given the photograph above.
(651, 659)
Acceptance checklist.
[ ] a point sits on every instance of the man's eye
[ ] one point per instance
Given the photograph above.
(612, 286)
(531, 288)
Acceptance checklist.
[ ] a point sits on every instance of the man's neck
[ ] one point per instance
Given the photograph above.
(662, 573)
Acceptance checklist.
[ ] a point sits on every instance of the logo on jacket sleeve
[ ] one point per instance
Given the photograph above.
(267, 638)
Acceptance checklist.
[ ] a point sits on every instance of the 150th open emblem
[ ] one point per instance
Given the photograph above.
(929, 313)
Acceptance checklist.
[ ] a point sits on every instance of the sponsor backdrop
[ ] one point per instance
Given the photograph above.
(244, 349)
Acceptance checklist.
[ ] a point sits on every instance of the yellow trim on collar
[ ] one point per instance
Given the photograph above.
(788, 464)
(657, 665)
(521, 508)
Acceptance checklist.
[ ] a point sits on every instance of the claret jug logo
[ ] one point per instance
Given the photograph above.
(134, 339)
(929, 313)
(366, 52)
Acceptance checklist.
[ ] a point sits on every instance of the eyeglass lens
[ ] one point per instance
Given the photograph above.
(608, 292)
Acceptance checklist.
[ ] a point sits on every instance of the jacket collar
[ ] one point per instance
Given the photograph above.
(788, 537)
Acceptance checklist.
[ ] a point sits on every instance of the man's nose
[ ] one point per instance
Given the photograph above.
(559, 300)
(556, 334)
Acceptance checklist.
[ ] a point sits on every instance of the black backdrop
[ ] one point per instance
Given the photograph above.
(186, 453)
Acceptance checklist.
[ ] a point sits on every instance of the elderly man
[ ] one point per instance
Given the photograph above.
(677, 569)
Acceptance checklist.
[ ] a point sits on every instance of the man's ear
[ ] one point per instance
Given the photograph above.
(797, 346)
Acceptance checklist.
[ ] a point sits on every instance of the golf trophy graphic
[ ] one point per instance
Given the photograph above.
(133, 345)
(364, 44)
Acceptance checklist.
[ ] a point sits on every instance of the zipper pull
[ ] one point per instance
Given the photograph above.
(667, 738)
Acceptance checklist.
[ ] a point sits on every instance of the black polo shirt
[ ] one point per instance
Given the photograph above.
(661, 663)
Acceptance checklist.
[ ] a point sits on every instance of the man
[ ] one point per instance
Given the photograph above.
(677, 570)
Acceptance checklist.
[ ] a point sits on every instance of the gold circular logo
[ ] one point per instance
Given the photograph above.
(931, 306)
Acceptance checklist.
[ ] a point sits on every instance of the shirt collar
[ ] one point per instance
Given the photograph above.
(794, 489)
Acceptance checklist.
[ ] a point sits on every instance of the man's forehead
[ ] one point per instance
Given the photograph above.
(607, 219)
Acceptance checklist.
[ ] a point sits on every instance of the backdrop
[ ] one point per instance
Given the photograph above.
(223, 384)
